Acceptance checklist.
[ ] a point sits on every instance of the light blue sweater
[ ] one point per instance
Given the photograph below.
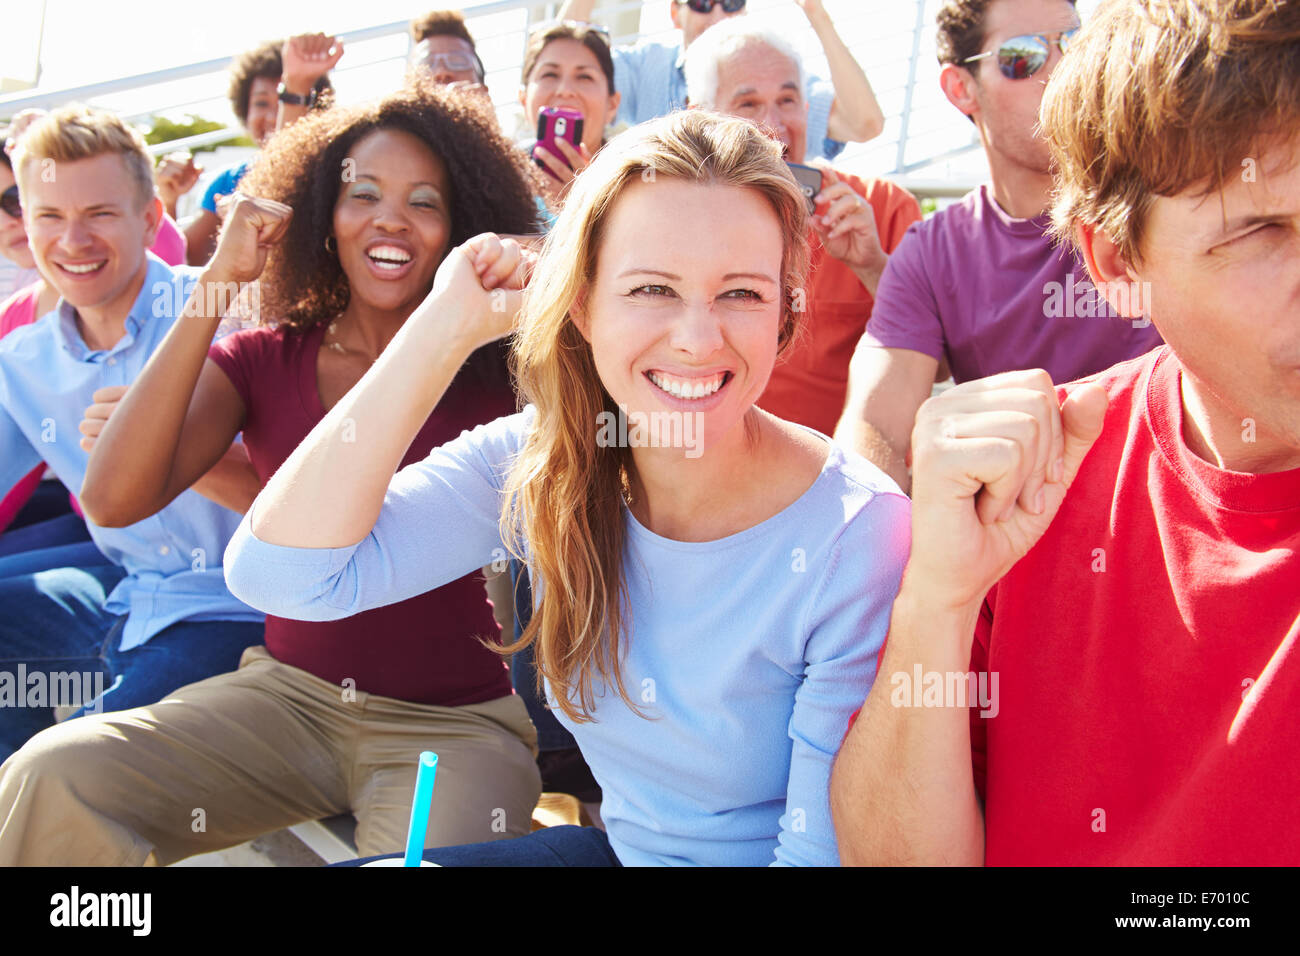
(748, 653)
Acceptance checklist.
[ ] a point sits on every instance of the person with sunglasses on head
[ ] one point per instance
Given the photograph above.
(980, 287)
(651, 76)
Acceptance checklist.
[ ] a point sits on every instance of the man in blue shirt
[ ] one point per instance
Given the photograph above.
(651, 79)
(159, 616)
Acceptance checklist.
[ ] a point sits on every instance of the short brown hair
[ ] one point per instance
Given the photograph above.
(593, 39)
(1159, 96)
(441, 23)
(961, 29)
(78, 132)
(262, 61)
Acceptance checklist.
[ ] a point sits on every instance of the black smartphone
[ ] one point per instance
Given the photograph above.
(809, 179)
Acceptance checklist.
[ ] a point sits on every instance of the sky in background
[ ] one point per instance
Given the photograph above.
(87, 41)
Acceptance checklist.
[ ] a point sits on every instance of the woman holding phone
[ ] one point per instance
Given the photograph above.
(345, 217)
(568, 65)
(710, 597)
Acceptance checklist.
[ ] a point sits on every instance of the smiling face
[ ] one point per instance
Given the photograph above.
(263, 108)
(761, 84)
(13, 236)
(89, 228)
(567, 74)
(686, 306)
(393, 223)
(1225, 292)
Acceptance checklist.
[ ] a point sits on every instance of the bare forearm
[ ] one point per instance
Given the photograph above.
(580, 10)
(130, 468)
(231, 482)
(329, 492)
(288, 115)
(902, 791)
(858, 434)
(200, 237)
(856, 115)
(869, 275)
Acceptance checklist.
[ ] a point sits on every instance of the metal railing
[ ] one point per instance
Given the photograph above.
(922, 132)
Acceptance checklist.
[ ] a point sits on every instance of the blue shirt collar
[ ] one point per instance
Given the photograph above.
(141, 310)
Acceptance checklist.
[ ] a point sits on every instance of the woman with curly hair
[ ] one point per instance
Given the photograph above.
(713, 584)
(348, 215)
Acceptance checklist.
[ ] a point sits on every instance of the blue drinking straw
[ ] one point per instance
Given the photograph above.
(420, 808)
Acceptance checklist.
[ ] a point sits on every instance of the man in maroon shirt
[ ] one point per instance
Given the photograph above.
(1136, 640)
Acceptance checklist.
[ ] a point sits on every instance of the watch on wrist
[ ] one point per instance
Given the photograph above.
(293, 99)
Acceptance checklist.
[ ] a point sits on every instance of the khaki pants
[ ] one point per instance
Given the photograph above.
(221, 761)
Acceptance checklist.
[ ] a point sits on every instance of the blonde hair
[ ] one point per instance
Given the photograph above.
(564, 495)
(78, 132)
(1159, 96)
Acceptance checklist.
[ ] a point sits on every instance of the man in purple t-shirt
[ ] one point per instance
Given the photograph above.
(979, 288)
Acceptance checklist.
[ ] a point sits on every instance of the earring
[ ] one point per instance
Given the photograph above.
(330, 245)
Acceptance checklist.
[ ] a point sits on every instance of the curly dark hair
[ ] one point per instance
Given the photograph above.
(263, 61)
(492, 188)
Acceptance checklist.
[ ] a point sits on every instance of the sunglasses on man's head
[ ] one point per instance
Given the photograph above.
(706, 6)
(1021, 57)
(9, 202)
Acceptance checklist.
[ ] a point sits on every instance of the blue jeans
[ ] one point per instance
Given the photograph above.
(49, 500)
(553, 846)
(58, 646)
(83, 554)
(56, 532)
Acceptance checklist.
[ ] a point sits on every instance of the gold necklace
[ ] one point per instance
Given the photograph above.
(332, 329)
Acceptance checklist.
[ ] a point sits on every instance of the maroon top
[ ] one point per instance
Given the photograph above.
(423, 649)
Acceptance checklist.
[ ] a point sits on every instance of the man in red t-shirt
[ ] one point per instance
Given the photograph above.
(1126, 696)
(741, 67)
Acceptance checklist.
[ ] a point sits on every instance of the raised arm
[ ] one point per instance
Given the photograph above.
(993, 461)
(174, 176)
(886, 388)
(304, 60)
(329, 492)
(580, 10)
(855, 115)
(201, 237)
(178, 419)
